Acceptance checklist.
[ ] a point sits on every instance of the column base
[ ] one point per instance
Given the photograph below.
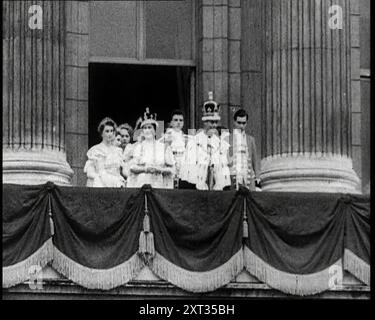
(309, 173)
(32, 167)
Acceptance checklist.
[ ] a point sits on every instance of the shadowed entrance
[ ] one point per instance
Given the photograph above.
(122, 92)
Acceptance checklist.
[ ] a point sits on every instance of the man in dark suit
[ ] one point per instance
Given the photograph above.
(244, 169)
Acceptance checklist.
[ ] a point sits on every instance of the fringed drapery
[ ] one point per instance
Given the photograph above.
(22, 271)
(197, 240)
(193, 281)
(27, 243)
(104, 279)
(294, 284)
(356, 266)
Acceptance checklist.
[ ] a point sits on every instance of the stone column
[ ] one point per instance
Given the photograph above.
(34, 95)
(307, 103)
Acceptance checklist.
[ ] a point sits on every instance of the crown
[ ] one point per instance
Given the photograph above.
(211, 109)
(149, 118)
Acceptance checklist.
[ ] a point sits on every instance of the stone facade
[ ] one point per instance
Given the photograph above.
(269, 57)
(77, 84)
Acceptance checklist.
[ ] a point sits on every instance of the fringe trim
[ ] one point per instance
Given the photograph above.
(358, 267)
(20, 272)
(295, 284)
(198, 281)
(104, 279)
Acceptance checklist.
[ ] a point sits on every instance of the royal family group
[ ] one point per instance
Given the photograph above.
(210, 159)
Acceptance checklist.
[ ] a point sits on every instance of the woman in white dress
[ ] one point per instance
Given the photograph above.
(153, 161)
(128, 156)
(105, 161)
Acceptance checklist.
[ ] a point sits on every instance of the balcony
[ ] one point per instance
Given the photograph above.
(72, 242)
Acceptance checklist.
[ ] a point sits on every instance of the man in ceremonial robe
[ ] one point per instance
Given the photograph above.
(203, 165)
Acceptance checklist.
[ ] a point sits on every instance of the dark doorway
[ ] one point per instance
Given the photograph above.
(122, 92)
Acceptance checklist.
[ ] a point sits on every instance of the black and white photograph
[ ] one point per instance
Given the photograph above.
(186, 150)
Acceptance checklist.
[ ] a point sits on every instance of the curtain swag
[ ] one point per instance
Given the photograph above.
(101, 238)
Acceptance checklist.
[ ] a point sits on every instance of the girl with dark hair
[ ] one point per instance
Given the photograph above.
(117, 141)
(126, 132)
(105, 163)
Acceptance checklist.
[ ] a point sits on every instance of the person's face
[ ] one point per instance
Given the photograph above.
(149, 131)
(177, 122)
(125, 137)
(108, 134)
(118, 140)
(240, 123)
(210, 124)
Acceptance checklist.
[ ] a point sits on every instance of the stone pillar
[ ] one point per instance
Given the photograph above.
(307, 103)
(76, 88)
(34, 95)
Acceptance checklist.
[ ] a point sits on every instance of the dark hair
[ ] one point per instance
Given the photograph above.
(177, 112)
(128, 128)
(241, 113)
(106, 122)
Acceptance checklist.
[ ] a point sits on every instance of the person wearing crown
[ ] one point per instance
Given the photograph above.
(153, 162)
(128, 156)
(105, 163)
(203, 165)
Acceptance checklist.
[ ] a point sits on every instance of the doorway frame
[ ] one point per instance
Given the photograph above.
(143, 60)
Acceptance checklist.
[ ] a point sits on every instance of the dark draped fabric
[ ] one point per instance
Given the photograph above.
(198, 231)
(25, 221)
(357, 229)
(99, 228)
(297, 242)
(197, 240)
(297, 233)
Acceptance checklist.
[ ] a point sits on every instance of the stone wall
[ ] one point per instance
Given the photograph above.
(77, 82)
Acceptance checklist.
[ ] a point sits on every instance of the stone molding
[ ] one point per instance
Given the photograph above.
(36, 166)
(309, 173)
